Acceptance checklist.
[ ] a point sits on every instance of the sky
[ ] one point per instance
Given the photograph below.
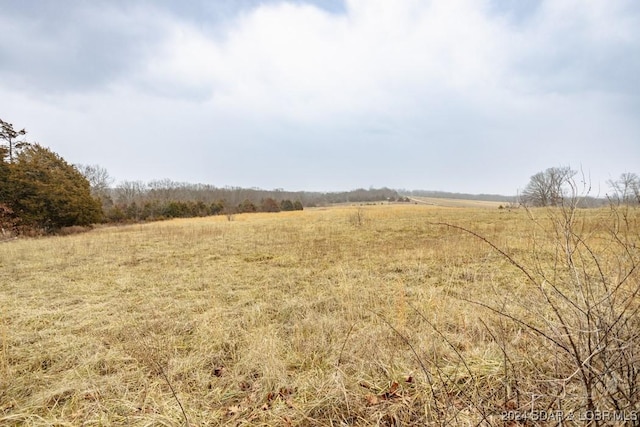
(470, 96)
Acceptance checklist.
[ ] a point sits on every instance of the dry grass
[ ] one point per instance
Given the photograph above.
(302, 318)
(458, 203)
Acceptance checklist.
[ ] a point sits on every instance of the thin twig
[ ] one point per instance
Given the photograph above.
(175, 396)
(344, 344)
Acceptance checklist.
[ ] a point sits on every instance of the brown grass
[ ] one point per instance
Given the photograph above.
(458, 203)
(301, 318)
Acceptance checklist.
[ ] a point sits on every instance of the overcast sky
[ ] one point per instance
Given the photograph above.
(455, 95)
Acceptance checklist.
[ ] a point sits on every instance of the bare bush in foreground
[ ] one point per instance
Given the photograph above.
(579, 309)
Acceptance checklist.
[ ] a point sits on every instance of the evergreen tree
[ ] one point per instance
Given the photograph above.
(47, 192)
(269, 205)
(4, 176)
(247, 206)
(11, 142)
(286, 205)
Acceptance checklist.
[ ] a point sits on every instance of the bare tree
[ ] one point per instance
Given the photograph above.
(626, 189)
(98, 178)
(130, 191)
(548, 188)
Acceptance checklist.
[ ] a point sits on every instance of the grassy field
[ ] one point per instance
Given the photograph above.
(340, 316)
(458, 203)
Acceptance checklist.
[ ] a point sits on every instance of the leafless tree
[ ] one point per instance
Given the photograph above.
(98, 178)
(626, 189)
(548, 188)
(130, 191)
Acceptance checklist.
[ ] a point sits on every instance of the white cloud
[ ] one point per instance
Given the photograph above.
(301, 62)
(456, 84)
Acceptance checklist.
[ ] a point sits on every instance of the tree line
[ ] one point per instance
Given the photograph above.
(162, 199)
(40, 191)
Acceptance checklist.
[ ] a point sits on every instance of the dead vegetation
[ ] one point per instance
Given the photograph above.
(314, 318)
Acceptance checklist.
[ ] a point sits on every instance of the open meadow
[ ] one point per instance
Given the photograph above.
(374, 315)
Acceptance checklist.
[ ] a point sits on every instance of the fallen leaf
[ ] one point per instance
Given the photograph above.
(393, 388)
(391, 393)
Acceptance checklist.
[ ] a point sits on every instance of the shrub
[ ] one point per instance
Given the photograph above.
(46, 192)
(286, 205)
(247, 206)
(579, 308)
(269, 205)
